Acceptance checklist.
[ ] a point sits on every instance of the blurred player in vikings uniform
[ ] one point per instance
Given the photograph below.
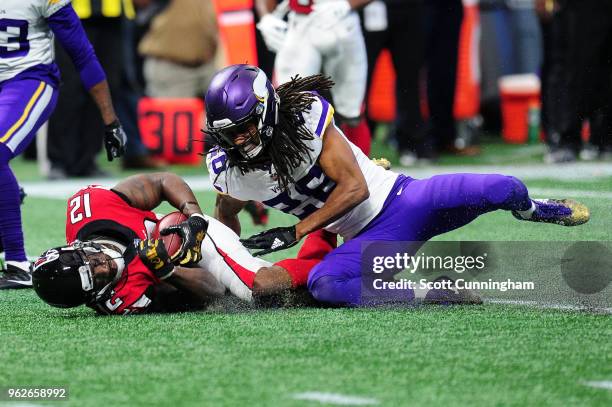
(29, 82)
(281, 147)
(322, 36)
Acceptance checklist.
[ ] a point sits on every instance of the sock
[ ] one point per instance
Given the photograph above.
(359, 135)
(23, 265)
(527, 213)
(10, 212)
(315, 248)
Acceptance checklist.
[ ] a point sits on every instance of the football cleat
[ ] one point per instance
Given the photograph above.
(564, 212)
(382, 162)
(15, 277)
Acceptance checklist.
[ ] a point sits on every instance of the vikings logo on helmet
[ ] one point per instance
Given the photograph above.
(241, 103)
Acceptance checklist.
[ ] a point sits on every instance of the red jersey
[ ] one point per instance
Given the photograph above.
(100, 211)
(97, 211)
(301, 6)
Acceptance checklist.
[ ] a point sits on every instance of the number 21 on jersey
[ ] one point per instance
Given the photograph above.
(79, 208)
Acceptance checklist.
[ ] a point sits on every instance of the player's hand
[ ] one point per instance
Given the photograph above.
(325, 15)
(273, 30)
(114, 140)
(153, 254)
(192, 231)
(271, 240)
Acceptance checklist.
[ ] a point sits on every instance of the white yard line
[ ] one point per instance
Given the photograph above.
(336, 399)
(605, 384)
(549, 305)
(64, 189)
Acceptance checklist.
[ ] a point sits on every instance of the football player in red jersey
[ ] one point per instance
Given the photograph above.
(112, 265)
(322, 36)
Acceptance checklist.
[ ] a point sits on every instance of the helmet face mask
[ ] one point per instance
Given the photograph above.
(241, 111)
(243, 137)
(64, 276)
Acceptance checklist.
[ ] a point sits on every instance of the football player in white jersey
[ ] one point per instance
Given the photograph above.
(29, 82)
(322, 36)
(281, 147)
(112, 264)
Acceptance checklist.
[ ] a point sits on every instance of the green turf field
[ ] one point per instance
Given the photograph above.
(432, 355)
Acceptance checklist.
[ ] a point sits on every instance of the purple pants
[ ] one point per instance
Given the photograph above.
(415, 210)
(24, 106)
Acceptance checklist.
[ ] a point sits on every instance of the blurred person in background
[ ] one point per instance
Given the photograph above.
(443, 25)
(75, 129)
(29, 79)
(265, 57)
(179, 50)
(137, 155)
(398, 25)
(322, 36)
(577, 77)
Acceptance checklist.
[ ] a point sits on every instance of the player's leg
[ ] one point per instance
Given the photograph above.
(445, 202)
(24, 106)
(293, 273)
(347, 66)
(246, 276)
(229, 261)
(297, 56)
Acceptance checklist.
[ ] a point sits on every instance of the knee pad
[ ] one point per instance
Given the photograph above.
(324, 288)
(502, 188)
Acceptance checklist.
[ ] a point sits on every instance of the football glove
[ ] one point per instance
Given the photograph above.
(114, 140)
(327, 14)
(271, 240)
(273, 30)
(153, 254)
(192, 231)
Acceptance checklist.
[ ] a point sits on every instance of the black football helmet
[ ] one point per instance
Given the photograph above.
(63, 276)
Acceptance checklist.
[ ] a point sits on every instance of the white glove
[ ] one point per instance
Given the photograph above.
(274, 31)
(327, 14)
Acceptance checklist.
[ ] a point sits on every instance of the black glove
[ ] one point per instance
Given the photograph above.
(192, 231)
(153, 254)
(114, 140)
(271, 240)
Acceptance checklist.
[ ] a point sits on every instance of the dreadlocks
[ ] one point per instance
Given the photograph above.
(287, 149)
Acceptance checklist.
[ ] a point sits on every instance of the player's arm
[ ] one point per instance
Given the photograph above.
(148, 191)
(271, 24)
(357, 4)
(193, 287)
(67, 27)
(338, 163)
(264, 7)
(195, 284)
(226, 211)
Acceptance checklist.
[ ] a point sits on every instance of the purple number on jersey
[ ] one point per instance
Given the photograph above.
(218, 163)
(9, 26)
(315, 185)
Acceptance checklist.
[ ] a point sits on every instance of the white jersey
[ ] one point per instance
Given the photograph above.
(25, 38)
(312, 186)
(229, 261)
(339, 51)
